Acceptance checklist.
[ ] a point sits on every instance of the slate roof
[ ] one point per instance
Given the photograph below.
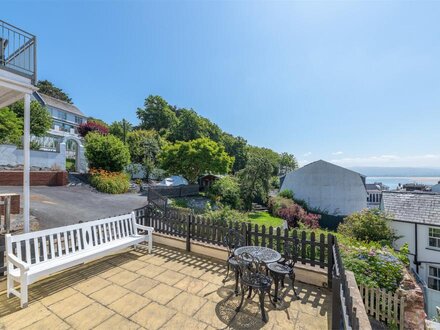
(372, 186)
(418, 207)
(50, 101)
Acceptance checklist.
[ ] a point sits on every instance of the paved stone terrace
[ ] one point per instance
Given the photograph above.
(168, 289)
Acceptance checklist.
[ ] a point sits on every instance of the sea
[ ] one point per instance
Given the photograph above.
(393, 181)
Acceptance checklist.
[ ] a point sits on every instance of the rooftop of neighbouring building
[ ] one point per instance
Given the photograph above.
(168, 289)
(418, 207)
(58, 104)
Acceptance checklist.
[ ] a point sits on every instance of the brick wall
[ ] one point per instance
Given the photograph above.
(15, 205)
(40, 178)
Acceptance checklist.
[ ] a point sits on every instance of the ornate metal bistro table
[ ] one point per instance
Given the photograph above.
(263, 254)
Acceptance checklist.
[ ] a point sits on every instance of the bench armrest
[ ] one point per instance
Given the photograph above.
(149, 229)
(24, 267)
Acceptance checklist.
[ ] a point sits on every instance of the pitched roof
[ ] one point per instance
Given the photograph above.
(53, 102)
(418, 207)
(331, 164)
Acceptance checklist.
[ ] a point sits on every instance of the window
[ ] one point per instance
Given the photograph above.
(434, 278)
(78, 120)
(62, 115)
(434, 237)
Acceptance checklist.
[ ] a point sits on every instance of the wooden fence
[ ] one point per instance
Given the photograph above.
(308, 248)
(180, 191)
(384, 306)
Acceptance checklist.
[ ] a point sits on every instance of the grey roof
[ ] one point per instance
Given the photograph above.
(372, 186)
(50, 101)
(418, 207)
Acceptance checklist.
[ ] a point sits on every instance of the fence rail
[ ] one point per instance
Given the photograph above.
(308, 248)
(180, 191)
(384, 306)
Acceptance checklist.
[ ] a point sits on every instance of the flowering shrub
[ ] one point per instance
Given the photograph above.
(293, 213)
(109, 182)
(373, 265)
(91, 126)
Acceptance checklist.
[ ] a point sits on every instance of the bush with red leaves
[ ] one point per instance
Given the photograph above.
(91, 126)
(295, 214)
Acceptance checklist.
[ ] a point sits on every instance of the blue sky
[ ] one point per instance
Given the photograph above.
(356, 83)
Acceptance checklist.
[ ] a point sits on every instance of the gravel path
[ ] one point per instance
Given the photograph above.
(60, 206)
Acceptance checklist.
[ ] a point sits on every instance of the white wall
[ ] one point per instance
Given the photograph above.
(330, 188)
(425, 254)
(10, 155)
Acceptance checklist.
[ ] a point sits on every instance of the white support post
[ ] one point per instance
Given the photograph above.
(26, 165)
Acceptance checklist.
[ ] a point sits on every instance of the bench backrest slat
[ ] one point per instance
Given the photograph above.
(39, 246)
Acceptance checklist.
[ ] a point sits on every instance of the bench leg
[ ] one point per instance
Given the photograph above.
(150, 244)
(24, 292)
(9, 286)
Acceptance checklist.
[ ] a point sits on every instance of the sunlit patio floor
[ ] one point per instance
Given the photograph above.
(168, 289)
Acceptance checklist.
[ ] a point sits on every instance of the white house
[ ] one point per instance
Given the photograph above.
(330, 188)
(416, 217)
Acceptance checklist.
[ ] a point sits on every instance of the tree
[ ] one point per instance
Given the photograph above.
(226, 190)
(288, 163)
(144, 147)
(48, 88)
(120, 129)
(269, 155)
(91, 126)
(106, 152)
(156, 115)
(189, 126)
(41, 120)
(98, 121)
(254, 180)
(237, 148)
(11, 127)
(368, 225)
(195, 157)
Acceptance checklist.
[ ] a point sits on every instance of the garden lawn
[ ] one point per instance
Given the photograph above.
(264, 218)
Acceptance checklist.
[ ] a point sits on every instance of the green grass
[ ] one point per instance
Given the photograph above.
(264, 218)
(70, 165)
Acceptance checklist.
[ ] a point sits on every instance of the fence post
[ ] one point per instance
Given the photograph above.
(188, 231)
(330, 241)
(336, 304)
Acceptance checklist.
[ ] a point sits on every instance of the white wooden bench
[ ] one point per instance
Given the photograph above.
(34, 255)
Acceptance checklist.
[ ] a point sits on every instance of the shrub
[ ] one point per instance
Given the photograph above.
(106, 152)
(277, 203)
(91, 126)
(373, 265)
(225, 215)
(295, 214)
(226, 191)
(109, 182)
(286, 193)
(368, 225)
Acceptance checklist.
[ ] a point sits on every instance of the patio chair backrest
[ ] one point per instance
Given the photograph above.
(290, 253)
(233, 240)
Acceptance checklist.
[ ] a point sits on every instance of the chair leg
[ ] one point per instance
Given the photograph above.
(227, 273)
(242, 298)
(263, 313)
(292, 278)
(237, 277)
